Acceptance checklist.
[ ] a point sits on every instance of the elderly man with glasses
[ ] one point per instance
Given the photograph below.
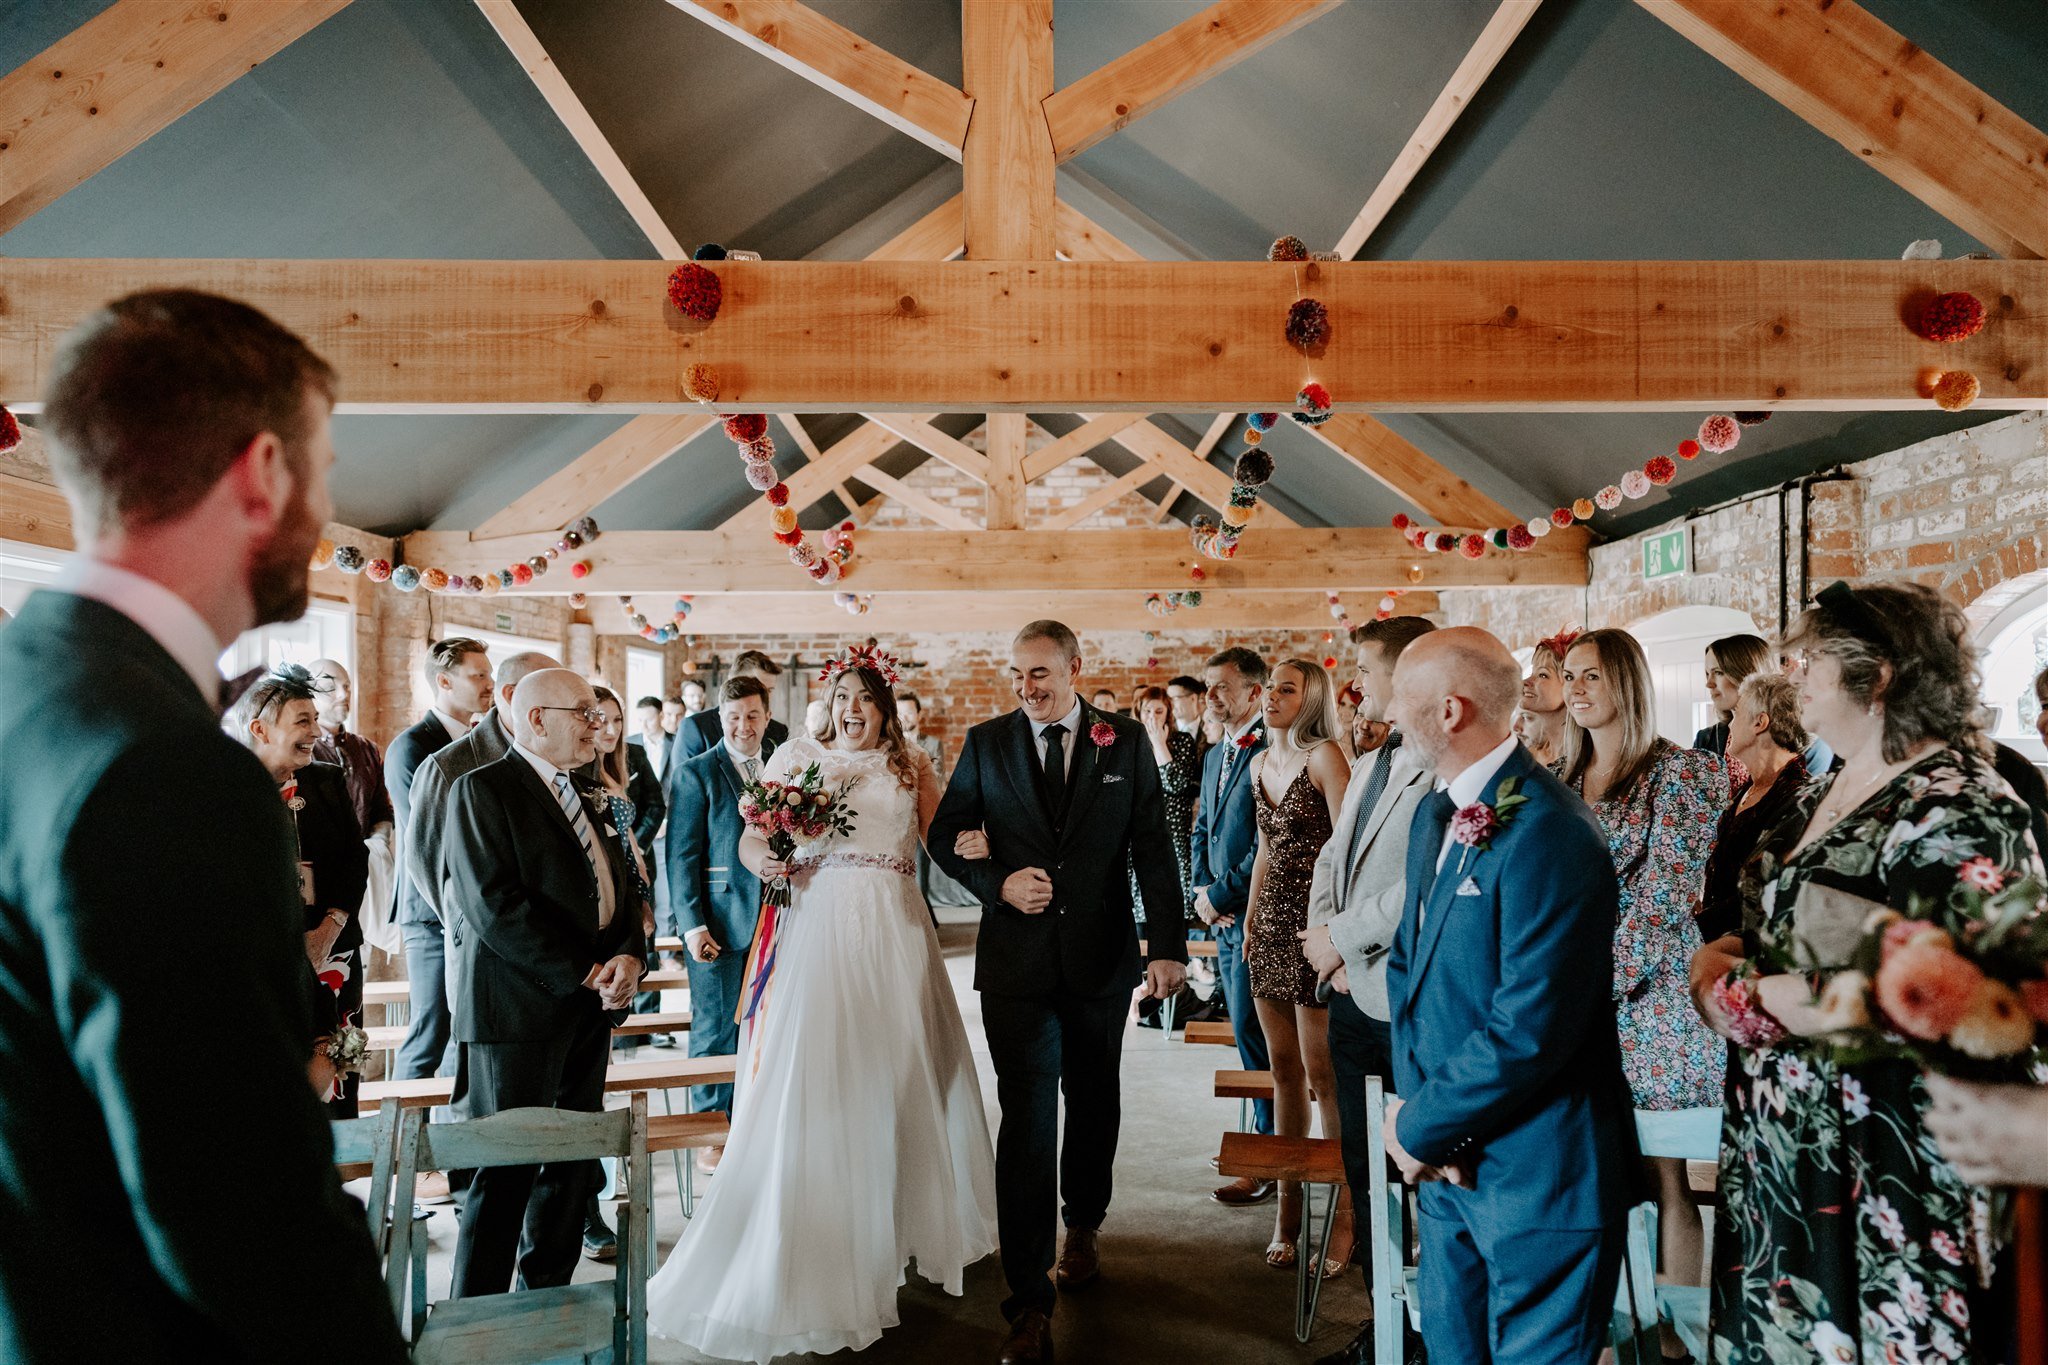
(544, 955)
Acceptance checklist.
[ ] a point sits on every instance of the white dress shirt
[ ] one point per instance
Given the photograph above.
(740, 761)
(1071, 723)
(456, 728)
(167, 618)
(1468, 786)
(600, 862)
(1231, 753)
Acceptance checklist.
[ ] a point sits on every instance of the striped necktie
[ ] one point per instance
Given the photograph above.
(578, 821)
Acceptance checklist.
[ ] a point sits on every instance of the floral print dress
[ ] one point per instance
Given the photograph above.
(1844, 1237)
(1660, 833)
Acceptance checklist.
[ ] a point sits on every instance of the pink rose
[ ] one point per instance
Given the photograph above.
(1475, 824)
(1995, 1025)
(1925, 989)
(1103, 733)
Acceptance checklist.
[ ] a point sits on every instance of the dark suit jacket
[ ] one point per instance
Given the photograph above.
(523, 905)
(1226, 838)
(419, 741)
(706, 885)
(486, 742)
(699, 732)
(2027, 783)
(128, 819)
(1086, 942)
(1713, 739)
(332, 842)
(1505, 1050)
(650, 806)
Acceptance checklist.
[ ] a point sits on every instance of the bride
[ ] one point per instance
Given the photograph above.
(858, 1137)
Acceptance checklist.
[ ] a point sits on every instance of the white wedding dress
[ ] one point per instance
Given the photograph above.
(859, 1142)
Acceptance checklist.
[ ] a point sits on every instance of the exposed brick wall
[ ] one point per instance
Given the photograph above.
(1965, 513)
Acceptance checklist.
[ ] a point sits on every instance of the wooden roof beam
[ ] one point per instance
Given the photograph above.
(1102, 497)
(1270, 558)
(938, 236)
(1913, 120)
(1456, 96)
(1077, 237)
(847, 458)
(1076, 443)
(1150, 336)
(920, 432)
(1121, 92)
(120, 78)
(1204, 480)
(592, 477)
(916, 499)
(1397, 464)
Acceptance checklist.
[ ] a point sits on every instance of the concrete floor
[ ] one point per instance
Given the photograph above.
(1183, 1277)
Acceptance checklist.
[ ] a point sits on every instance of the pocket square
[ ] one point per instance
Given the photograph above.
(1468, 887)
(1108, 778)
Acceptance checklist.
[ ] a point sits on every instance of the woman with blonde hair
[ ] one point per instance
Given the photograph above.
(1660, 806)
(1298, 783)
(1540, 718)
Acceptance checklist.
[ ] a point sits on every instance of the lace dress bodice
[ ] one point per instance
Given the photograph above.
(884, 810)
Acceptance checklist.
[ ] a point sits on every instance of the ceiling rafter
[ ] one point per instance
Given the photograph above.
(1076, 443)
(1212, 485)
(917, 500)
(795, 427)
(921, 433)
(121, 77)
(799, 39)
(1129, 482)
(1401, 467)
(1119, 93)
(594, 476)
(1891, 103)
(1456, 96)
(846, 459)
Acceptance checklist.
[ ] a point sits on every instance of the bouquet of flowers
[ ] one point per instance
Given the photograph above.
(789, 813)
(1959, 986)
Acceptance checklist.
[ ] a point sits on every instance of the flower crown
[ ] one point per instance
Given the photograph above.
(869, 657)
(1560, 644)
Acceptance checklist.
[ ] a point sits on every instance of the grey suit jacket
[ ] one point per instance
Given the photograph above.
(486, 742)
(1359, 897)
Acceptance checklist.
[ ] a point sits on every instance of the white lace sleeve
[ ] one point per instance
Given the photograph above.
(790, 759)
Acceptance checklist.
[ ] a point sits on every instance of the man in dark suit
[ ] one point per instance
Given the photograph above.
(643, 789)
(459, 676)
(701, 729)
(1221, 852)
(190, 434)
(711, 895)
(1070, 802)
(544, 952)
(1513, 1105)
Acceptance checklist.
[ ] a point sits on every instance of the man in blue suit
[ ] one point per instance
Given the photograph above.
(713, 898)
(1225, 843)
(1513, 1105)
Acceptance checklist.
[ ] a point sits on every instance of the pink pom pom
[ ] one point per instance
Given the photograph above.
(1635, 484)
(1472, 546)
(1519, 538)
(1608, 498)
(1719, 433)
(762, 477)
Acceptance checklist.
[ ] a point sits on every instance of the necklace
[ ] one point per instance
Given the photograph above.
(1839, 803)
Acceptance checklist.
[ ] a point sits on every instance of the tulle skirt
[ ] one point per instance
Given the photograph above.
(859, 1142)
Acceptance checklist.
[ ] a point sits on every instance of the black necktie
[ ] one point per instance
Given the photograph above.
(1437, 810)
(1056, 769)
(1375, 788)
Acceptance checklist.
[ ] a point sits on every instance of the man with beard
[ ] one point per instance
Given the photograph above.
(191, 436)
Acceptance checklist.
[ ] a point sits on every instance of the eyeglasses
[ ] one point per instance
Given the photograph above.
(589, 715)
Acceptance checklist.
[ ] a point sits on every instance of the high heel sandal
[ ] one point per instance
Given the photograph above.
(1280, 1253)
(1342, 1232)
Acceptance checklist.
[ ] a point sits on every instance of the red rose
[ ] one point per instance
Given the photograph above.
(1103, 733)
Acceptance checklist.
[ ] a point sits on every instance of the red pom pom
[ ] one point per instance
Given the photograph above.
(522, 574)
(695, 291)
(1661, 469)
(743, 427)
(1314, 397)
(1445, 542)
(1472, 546)
(1952, 317)
(10, 431)
(1401, 521)
(1329, 661)
(778, 496)
(1519, 538)
(1288, 248)
(1561, 518)
(1688, 449)
(789, 537)
(580, 569)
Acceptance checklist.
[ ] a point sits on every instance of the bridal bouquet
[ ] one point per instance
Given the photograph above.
(802, 810)
(1959, 986)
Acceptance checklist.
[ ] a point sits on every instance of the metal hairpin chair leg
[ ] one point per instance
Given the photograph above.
(1308, 1271)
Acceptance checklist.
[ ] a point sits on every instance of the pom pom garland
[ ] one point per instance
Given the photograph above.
(778, 496)
(1719, 433)
(762, 478)
(435, 580)
(1660, 469)
(1262, 421)
(701, 383)
(1308, 324)
(1688, 449)
(1562, 517)
(348, 559)
(695, 291)
(1952, 317)
(783, 518)
(742, 427)
(1472, 546)
(405, 578)
(323, 553)
(1313, 403)
(1635, 484)
(1520, 538)
(1582, 508)
(1402, 521)
(1288, 248)
(10, 431)
(1252, 437)
(378, 571)
(1608, 498)
(580, 569)
(1539, 527)
(1253, 469)
(1956, 390)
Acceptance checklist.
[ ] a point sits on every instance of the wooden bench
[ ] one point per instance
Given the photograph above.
(1202, 947)
(387, 1037)
(679, 1132)
(1215, 1031)
(665, 980)
(1313, 1162)
(670, 1073)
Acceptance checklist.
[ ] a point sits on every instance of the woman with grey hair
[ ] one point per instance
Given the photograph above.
(1766, 738)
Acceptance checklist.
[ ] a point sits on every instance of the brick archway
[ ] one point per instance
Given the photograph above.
(2002, 576)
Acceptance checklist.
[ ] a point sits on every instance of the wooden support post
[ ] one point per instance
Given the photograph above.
(1006, 51)
(1006, 432)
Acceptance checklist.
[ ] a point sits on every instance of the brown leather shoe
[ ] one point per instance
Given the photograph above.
(1030, 1340)
(1079, 1262)
(1243, 1192)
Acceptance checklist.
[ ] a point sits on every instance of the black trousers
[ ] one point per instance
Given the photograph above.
(1360, 1046)
(531, 1216)
(1044, 1046)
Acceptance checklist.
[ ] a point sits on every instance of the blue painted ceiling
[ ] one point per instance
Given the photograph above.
(404, 129)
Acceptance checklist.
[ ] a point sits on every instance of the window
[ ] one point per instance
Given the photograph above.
(500, 646)
(326, 631)
(1675, 644)
(2017, 650)
(23, 569)
(643, 675)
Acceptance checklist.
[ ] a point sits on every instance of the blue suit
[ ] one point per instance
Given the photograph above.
(1506, 1054)
(1220, 856)
(708, 888)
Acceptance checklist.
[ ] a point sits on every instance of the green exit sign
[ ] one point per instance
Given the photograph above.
(1666, 553)
(503, 622)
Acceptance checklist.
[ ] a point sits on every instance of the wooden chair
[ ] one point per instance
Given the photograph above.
(368, 1147)
(1216, 1032)
(1395, 1302)
(1244, 1087)
(1316, 1163)
(1695, 1136)
(587, 1322)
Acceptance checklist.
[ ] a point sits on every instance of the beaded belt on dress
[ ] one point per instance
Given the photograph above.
(884, 862)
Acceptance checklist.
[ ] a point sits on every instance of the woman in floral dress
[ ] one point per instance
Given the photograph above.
(1845, 1237)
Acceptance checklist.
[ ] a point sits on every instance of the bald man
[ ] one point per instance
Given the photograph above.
(544, 954)
(1514, 1113)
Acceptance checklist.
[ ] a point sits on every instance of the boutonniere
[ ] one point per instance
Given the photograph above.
(1103, 733)
(290, 792)
(1476, 825)
(1247, 739)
